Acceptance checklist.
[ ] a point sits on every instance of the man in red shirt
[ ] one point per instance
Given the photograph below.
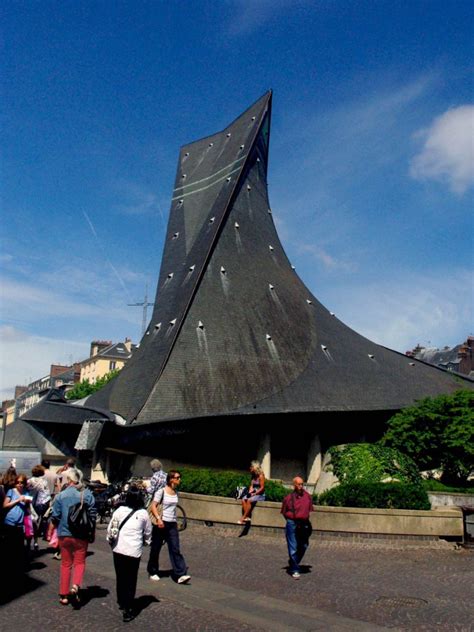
(296, 508)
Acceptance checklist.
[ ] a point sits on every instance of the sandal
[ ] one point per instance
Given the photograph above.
(64, 600)
(74, 595)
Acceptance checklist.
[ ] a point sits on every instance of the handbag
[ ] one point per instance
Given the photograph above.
(159, 501)
(114, 531)
(80, 522)
(28, 526)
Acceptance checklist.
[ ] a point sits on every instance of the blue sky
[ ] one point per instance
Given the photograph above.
(371, 159)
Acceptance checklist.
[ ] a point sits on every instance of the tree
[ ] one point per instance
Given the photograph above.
(437, 433)
(85, 388)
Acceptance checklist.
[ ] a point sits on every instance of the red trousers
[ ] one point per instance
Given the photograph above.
(73, 558)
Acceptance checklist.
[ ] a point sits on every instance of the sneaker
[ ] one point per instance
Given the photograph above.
(57, 556)
(184, 579)
(295, 575)
(155, 578)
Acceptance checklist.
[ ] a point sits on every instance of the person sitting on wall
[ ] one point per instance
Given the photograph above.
(256, 492)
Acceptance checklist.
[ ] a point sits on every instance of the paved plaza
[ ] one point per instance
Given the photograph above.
(240, 583)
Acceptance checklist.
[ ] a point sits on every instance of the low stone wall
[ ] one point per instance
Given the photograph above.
(442, 523)
(446, 499)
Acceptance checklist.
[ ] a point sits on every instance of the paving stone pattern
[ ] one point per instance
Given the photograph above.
(241, 583)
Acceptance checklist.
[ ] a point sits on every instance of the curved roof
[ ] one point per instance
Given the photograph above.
(234, 330)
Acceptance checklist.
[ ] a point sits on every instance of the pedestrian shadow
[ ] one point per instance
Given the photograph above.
(36, 566)
(304, 569)
(142, 602)
(24, 586)
(245, 529)
(92, 592)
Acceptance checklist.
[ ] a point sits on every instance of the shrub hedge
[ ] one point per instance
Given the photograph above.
(371, 463)
(212, 483)
(376, 496)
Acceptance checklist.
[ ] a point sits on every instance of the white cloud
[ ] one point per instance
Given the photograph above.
(448, 150)
(25, 358)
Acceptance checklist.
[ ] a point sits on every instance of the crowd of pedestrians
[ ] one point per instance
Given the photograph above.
(59, 507)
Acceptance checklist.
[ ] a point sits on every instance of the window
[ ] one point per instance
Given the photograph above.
(112, 365)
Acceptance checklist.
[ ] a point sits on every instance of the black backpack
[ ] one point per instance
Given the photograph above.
(80, 522)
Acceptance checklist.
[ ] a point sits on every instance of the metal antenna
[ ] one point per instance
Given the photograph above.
(145, 305)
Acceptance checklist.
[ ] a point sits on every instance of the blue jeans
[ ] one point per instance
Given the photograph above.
(297, 545)
(170, 535)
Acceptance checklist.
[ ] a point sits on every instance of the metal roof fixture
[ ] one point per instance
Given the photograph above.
(187, 154)
(411, 364)
(211, 144)
(332, 313)
(324, 347)
(309, 302)
(170, 275)
(183, 176)
(371, 356)
(253, 118)
(293, 267)
(228, 134)
(180, 202)
(271, 287)
(228, 179)
(242, 146)
(236, 225)
(147, 333)
(212, 220)
(268, 337)
(200, 325)
(270, 211)
(173, 322)
(158, 326)
(258, 159)
(191, 268)
(223, 270)
(175, 236)
(271, 248)
(249, 188)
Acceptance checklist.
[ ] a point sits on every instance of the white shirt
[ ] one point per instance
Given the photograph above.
(135, 532)
(169, 504)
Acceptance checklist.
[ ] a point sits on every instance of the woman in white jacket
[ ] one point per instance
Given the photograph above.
(128, 531)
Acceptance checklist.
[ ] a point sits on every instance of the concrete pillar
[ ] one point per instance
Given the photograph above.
(314, 461)
(264, 455)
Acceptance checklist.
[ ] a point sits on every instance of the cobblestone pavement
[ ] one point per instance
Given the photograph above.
(240, 583)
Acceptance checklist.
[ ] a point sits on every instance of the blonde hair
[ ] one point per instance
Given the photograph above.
(75, 476)
(256, 467)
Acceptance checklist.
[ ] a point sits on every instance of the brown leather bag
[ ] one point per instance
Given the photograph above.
(159, 507)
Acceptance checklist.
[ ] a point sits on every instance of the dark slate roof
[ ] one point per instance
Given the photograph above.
(114, 351)
(234, 329)
(19, 435)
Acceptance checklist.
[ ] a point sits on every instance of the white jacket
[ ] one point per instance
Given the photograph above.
(135, 533)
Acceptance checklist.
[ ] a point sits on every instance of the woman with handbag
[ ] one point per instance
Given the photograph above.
(73, 549)
(165, 529)
(128, 531)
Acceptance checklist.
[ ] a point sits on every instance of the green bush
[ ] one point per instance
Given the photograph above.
(223, 483)
(437, 433)
(371, 463)
(376, 495)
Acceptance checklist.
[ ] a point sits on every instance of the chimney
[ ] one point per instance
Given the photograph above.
(128, 344)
